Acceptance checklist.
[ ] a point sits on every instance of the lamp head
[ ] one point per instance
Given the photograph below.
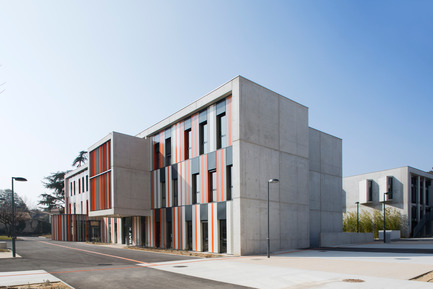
(19, 179)
(273, 181)
(357, 203)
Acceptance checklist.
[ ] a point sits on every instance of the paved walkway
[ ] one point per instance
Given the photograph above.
(352, 266)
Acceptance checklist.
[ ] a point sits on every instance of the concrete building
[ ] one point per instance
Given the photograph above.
(410, 193)
(198, 179)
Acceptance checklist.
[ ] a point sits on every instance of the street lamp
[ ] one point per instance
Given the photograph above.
(273, 181)
(18, 179)
(384, 217)
(357, 217)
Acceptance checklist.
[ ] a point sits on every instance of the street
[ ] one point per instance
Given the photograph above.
(84, 265)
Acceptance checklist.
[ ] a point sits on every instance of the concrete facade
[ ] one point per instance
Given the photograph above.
(412, 195)
(198, 180)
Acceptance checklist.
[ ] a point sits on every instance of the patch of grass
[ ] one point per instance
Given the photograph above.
(4, 250)
(4, 238)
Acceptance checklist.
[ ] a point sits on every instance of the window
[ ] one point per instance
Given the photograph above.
(87, 183)
(369, 190)
(427, 198)
(188, 142)
(71, 191)
(221, 131)
(175, 193)
(212, 189)
(156, 155)
(79, 186)
(389, 187)
(195, 188)
(421, 197)
(82, 184)
(163, 194)
(168, 151)
(203, 138)
(414, 186)
(229, 182)
(74, 188)
(81, 212)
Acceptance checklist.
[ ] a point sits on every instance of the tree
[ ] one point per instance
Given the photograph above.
(80, 159)
(55, 199)
(21, 211)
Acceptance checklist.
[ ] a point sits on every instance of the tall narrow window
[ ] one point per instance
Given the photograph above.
(168, 151)
(203, 138)
(369, 190)
(71, 191)
(229, 182)
(79, 186)
(427, 198)
(221, 131)
(82, 184)
(389, 187)
(212, 189)
(74, 188)
(163, 195)
(175, 193)
(87, 183)
(156, 156)
(414, 187)
(188, 143)
(195, 188)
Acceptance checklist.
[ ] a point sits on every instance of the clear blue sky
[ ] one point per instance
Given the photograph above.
(73, 71)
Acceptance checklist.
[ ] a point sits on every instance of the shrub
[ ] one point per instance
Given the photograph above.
(372, 222)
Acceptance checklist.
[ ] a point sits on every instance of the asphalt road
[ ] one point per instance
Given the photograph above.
(91, 266)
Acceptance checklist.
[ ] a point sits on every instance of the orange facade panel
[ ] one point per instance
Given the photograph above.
(100, 177)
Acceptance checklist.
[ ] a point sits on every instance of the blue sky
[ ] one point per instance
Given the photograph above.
(73, 71)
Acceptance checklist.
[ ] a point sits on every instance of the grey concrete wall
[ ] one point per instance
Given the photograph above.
(272, 143)
(130, 175)
(325, 177)
(335, 239)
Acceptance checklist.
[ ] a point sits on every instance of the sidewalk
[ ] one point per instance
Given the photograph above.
(319, 268)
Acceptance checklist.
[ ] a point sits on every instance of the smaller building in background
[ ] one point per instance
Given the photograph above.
(409, 192)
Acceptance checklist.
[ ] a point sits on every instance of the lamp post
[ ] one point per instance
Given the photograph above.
(18, 179)
(384, 217)
(357, 217)
(273, 181)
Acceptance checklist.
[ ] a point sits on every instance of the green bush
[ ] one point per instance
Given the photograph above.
(372, 222)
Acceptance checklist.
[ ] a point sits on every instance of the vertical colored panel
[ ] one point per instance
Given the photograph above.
(229, 120)
(168, 186)
(212, 226)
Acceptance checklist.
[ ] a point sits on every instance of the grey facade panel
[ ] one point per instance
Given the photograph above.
(221, 107)
(174, 174)
(211, 161)
(202, 117)
(195, 165)
(168, 133)
(162, 175)
(168, 215)
(188, 213)
(203, 212)
(221, 211)
(229, 156)
(187, 123)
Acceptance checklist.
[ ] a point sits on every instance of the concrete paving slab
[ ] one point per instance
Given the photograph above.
(277, 277)
(26, 277)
